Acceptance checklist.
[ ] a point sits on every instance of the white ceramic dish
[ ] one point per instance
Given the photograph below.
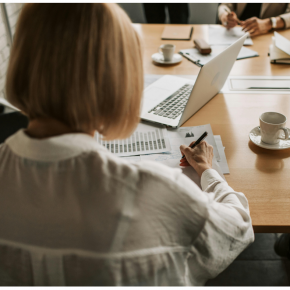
(157, 57)
(255, 137)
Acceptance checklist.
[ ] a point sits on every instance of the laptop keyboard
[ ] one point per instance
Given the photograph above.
(174, 105)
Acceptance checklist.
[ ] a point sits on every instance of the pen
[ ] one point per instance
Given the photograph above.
(198, 141)
(238, 21)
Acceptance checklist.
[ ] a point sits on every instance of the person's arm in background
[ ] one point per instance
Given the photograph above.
(227, 16)
(286, 17)
(228, 228)
(256, 26)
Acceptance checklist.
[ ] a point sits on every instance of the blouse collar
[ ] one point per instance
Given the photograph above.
(54, 148)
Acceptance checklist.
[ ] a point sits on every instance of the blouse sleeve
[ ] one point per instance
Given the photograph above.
(286, 17)
(227, 230)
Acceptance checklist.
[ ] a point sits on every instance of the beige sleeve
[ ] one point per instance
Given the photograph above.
(225, 7)
(286, 17)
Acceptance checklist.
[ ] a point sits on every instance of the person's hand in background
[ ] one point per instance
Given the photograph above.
(256, 26)
(229, 20)
(199, 157)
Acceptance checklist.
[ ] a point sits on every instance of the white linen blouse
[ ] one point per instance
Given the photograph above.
(72, 213)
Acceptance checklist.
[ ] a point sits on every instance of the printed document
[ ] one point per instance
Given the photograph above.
(219, 35)
(186, 135)
(146, 139)
(172, 159)
(194, 132)
(223, 164)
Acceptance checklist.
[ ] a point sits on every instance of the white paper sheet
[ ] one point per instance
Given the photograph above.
(168, 158)
(219, 35)
(195, 132)
(145, 140)
(278, 56)
(173, 159)
(223, 160)
(282, 43)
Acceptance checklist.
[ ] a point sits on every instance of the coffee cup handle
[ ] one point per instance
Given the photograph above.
(160, 51)
(285, 132)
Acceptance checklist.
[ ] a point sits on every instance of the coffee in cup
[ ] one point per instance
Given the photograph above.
(167, 50)
(271, 126)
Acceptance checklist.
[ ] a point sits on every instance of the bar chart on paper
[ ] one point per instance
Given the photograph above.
(145, 140)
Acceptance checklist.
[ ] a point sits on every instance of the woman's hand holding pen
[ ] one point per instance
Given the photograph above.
(230, 20)
(199, 157)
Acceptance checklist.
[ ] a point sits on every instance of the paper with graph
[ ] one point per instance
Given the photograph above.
(186, 135)
(146, 139)
(172, 159)
(195, 132)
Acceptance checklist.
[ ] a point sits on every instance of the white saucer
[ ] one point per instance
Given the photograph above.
(255, 137)
(157, 57)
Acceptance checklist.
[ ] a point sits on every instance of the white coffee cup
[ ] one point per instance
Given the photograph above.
(167, 50)
(271, 126)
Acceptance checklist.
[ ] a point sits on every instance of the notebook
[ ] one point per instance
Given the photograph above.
(280, 49)
(177, 32)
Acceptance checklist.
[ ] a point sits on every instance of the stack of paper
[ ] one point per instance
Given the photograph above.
(223, 164)
(162, 145)
(186, 135)
(280, 49)
(219, 35)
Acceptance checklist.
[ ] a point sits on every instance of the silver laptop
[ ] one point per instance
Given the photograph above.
(172, 100)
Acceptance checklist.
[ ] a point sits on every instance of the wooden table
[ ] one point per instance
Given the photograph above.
(262, 175)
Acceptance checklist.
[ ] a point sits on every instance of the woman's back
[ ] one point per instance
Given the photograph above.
(70, 208)
(71, 212)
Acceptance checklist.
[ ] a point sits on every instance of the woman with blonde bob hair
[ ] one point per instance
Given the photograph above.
(71, 212)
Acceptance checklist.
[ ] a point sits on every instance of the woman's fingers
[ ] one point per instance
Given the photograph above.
(182, 149)
(184, 163)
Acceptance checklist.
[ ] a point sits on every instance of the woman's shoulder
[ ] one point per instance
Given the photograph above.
(153, 169)
(149, 176)
(134, 171)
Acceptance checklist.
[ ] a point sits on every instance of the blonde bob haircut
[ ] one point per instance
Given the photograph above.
(80, 64)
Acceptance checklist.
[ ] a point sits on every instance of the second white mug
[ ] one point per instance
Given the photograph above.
(167, 50)
(271, 126)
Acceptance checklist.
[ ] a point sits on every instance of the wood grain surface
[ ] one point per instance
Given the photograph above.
(262, 175)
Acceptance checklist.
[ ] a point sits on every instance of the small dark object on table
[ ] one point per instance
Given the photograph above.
(202, 46)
